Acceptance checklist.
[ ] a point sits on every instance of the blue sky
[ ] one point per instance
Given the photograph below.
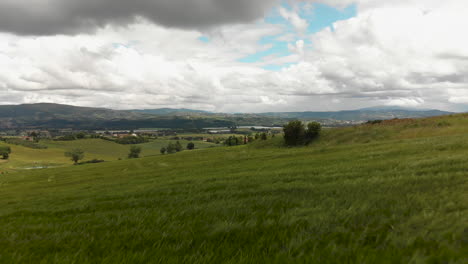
(319, 17)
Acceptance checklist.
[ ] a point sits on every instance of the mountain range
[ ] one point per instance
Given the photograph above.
(55, 116)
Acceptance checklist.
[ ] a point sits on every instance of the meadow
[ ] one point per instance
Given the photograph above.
(394, 192)
(27, 158)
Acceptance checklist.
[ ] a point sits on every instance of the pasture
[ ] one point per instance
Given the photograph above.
(396, 196)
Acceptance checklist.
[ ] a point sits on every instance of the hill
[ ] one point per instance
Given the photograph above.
(27, 158)
(56, 116)
(393, 192)
(170, 111)
(365, 114)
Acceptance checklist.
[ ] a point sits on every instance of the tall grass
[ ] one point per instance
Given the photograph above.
(392, 199)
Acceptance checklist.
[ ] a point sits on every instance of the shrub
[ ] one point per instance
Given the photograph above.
(91, 161)
(190, 146)
(131, 140)
(313, 131)
(374, 122)
(171, 148)
(294, 133)
(134, 152)
(178, 146)
(75, 155)
(5, 152)
(163, 150)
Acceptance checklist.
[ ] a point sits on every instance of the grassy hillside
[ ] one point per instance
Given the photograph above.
(388, 193)
(27, 158)
(58, 116)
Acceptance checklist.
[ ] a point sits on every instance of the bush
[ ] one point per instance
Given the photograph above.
(313, 131)
(190, 146)
(131, 140)
(134, 152)
(178, 146)
(5, 152)
(171, 148)
(75, 155)
(374, 122)
(91, 161)
(294, 133)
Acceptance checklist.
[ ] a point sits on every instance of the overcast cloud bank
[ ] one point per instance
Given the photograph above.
(148, 54)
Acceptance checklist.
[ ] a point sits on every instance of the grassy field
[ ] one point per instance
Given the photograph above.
(27, 158)
(389, 193)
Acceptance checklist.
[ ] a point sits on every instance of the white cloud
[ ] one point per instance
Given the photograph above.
(408, 53)
(293, 17)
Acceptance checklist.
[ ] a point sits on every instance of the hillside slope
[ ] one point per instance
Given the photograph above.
(365, 114)
(398, 196)
(56, 116)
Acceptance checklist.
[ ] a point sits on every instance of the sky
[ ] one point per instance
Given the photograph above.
(235, 55)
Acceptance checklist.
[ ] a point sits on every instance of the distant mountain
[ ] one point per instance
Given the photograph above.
(56, 111)
(365, 114)
(169, 111)
(55, 116)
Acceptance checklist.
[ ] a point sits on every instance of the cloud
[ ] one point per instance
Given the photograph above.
(51, 17)
(419, 59)
(293, 17)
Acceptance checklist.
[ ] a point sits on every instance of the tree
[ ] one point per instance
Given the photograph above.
(263, 136)
(190, 146)
(294, 133)
(35, 136)
(313, 131)
(233, 141)
(75, 155)
(163, 150)
(178, 146)
(171, 148)
(5, 152)
(134, 152)
(81, 135)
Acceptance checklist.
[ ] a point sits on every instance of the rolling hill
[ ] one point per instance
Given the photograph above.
(393, 192)
(55, 116)
(365, 114)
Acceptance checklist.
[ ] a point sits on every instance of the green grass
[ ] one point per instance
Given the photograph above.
(398, 196)
(25, 158)
(153, 148)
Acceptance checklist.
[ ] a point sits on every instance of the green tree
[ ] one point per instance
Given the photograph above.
(35, 136)
(163, 150)
(294, 133)
(263, 136)
(232, 141)
(313, 131)
(171, 148)
(134, 152)
(5, 152)
(190, 146)
(178, 146)
(75, 155)
(81, 135)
